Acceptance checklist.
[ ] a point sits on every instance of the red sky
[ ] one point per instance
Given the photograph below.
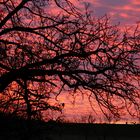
(124, 11)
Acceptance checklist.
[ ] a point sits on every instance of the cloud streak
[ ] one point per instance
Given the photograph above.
(126, 12)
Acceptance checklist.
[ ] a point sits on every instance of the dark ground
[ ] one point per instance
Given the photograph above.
(14, 128)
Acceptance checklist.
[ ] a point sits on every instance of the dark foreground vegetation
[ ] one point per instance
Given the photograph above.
(15, 128)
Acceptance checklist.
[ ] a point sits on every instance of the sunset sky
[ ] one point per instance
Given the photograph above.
(60, 41)
(124, 12)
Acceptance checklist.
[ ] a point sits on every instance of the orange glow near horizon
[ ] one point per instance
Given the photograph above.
(78, 109)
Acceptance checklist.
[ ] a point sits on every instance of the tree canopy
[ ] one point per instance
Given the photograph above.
(43, 54)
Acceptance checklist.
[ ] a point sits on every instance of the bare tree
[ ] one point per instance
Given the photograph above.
(43, 55)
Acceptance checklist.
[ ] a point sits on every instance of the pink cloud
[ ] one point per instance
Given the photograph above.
(124, 15)
(135, 2)
(128, 8)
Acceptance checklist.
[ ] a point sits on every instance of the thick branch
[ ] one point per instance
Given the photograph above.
(13, 12)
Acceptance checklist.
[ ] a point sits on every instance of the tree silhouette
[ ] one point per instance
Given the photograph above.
(44, 54)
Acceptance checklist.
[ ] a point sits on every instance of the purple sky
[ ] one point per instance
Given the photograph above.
(127, 12)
